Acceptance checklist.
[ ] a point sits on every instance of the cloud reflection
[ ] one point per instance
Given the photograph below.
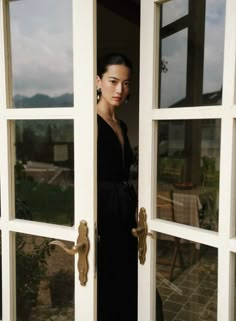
(41, 37)
(175, 47)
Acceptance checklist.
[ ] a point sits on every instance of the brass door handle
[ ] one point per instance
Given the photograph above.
(82, 247)
(141, 232)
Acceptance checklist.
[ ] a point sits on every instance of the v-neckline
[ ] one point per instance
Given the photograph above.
(122, 147)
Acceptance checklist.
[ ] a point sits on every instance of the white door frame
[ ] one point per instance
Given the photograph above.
(85, 137)
(224, 240)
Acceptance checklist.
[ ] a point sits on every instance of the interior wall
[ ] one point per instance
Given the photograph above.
(115, 33)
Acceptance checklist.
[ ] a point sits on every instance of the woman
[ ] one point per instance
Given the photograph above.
(117, 248)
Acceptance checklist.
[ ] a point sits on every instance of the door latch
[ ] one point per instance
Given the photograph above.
(141, 232)
(81, 247)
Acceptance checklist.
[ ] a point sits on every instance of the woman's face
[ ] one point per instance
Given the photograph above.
(114, 84)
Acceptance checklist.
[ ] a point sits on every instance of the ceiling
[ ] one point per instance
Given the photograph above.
(128, 9)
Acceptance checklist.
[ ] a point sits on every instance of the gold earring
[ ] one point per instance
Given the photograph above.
(98, 94)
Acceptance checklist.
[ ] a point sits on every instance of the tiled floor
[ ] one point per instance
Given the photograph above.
(192, 296)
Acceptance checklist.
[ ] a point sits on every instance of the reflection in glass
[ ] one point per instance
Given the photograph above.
(191, 71)
(178, 9)
(186, 278)
(41, 41)
(188, 172)
(44, 171)
(214, 52)
(177, 59)
(44, 280)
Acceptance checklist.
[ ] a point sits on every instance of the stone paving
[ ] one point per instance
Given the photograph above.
(193, 294)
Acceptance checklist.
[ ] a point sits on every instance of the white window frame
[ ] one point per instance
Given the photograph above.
(85, 137)
(224, 240)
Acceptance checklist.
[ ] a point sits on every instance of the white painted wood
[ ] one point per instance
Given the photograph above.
(43, 229)
(84, 13)
(40, 113)
(85, 169)
(226, 285)
(8, 259)
(224, 240)
(213, 112)
(226, 214)
(146, 273)
(226, 279)
(190, 233)
(232, 244)
(83, 116)
(5, 56)
(2, 59)
(229, 74)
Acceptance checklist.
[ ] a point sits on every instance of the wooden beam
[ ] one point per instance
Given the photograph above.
(175, 26)
(127, 9)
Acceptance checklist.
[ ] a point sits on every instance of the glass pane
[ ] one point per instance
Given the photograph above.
(191, 50)
(186, 279)
(44, 170)
(188, 172)
(214, 52)
(174, 10)
(175, 63)
(42, 61)
(44, 280)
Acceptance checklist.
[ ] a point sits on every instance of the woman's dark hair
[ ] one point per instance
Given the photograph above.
(112, 59)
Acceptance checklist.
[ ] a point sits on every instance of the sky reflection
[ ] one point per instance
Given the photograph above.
(41, 37)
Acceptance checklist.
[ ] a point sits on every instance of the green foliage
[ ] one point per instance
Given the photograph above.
(62, 288)
(209, 163)
(208, 215)
(171, 169)
(31, 267)
(47, 203)
(209, 174)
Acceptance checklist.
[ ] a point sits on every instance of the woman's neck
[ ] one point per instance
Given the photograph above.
(106, 112)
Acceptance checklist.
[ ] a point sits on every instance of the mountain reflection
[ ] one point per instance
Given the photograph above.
(41, 100)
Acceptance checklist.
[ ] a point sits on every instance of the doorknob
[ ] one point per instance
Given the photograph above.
(141, 232)
(81, 247)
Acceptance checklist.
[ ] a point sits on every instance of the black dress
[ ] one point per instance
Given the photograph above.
(117, 248)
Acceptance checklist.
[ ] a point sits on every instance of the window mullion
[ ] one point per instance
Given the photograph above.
(229, 76)
(227, 169)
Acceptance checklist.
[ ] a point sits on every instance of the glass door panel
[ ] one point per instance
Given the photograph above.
(44, 161)
(42, 58)
(188, 172)
(191, 54)
(44, 280)
(174, 10)
(186, 161)
(44, 171)
(186, 275)
(173, 69)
